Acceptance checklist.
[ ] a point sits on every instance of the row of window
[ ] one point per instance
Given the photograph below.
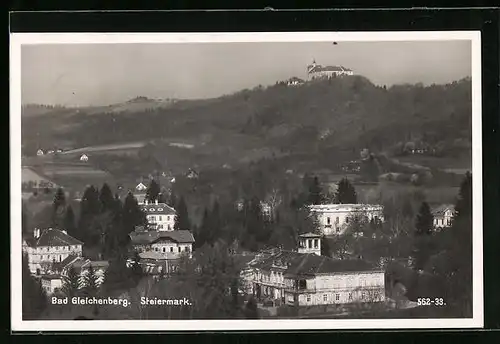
(337, 220)
(364, 296)
(169, 227)
(56, 248)
(179, 249)
(442, 222)
(160, 218)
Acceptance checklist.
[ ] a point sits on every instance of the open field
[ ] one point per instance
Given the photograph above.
(106, 148)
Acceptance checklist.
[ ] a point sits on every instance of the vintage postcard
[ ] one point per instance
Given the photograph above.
(246, 181)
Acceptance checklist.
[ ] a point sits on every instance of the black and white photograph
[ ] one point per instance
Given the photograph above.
(247, 181)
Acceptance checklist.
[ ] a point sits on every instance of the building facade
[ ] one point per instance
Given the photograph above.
(443, 216)
(333, 219)
(310, 243)
(48, 247)
(304, 279)
(172, 244)
(316, 71)
(160, 216)
(51, 283)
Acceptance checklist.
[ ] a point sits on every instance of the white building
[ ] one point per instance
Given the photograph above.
(443, 216)
(84, 158)
(316, 71)
(141, 187)
(333, 219)
(301, 279)
(40, 152)
(48, 247)
(310, 243)
(160, 216)
(51, 283)
(172, 244)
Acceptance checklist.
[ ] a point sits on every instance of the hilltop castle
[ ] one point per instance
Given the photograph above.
(315, 71)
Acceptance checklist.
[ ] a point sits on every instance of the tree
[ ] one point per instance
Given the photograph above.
(315, 195)
(58, 206)
(71, 283)
(24, 219)
(34, 298)
(69, 222)
(325, 247)
(153, 191)
(132, 214)
(346, 194)
(117, 275)
(89, 209)
(203, 232)
(106, 199)
(423, 230)
(181, 217)
(90, 282)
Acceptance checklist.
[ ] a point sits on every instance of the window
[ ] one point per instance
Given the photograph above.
(168, 218)
(337, 297)
(169, 228)
(325, 297)
(160, 226)
(315, 243)
(159, 218)
(164, 249)
(327, 220)
(346, 220)
(171, 249)
(308, 298)
(337, 220)
(350, 296)
(156, 249)
(187, 249)
(59, 257)
(179, 248)
(309, 243)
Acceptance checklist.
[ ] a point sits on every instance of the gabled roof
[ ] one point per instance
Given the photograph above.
(297, 264)
(56, 237)
(441, 209)
(319, 68)
(309, 235)
(147, 238)
(160, 209)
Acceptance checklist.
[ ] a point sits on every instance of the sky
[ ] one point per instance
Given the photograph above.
(103, 74)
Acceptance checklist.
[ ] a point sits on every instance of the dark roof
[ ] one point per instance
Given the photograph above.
(320, 68)
(51, 277)
(56, 237)
(441, 209)
(304, 264)
(309, 235)
(180, 236)
(65, 262)
(160, 208)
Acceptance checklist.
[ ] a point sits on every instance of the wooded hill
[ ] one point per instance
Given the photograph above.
(327, 120)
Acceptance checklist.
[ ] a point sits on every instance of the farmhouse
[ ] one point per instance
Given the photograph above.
(159, 215)
(141, 187)
(165, 242)
(333, 219)
(295, 82)
(305, 279)
(49, 247)
(40, 152)
(443, 216)
(84, 158)
(316, 71)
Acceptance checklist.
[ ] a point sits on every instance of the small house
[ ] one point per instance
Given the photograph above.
(84, 158)
(40, 152)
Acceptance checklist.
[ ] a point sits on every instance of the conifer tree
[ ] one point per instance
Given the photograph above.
(71, 283)
(69, 222)
(423, 230)
(89, 210)
(315, 195)
(346, 194)
(90, 282)
(58, 207)
(106, 198)
(153, 191)
(182, 216)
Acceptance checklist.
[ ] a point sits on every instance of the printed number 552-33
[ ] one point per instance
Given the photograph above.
(426, 301)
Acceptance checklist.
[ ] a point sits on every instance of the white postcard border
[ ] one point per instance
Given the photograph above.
(18, 324)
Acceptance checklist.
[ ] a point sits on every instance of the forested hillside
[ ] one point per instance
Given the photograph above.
(330, 119)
